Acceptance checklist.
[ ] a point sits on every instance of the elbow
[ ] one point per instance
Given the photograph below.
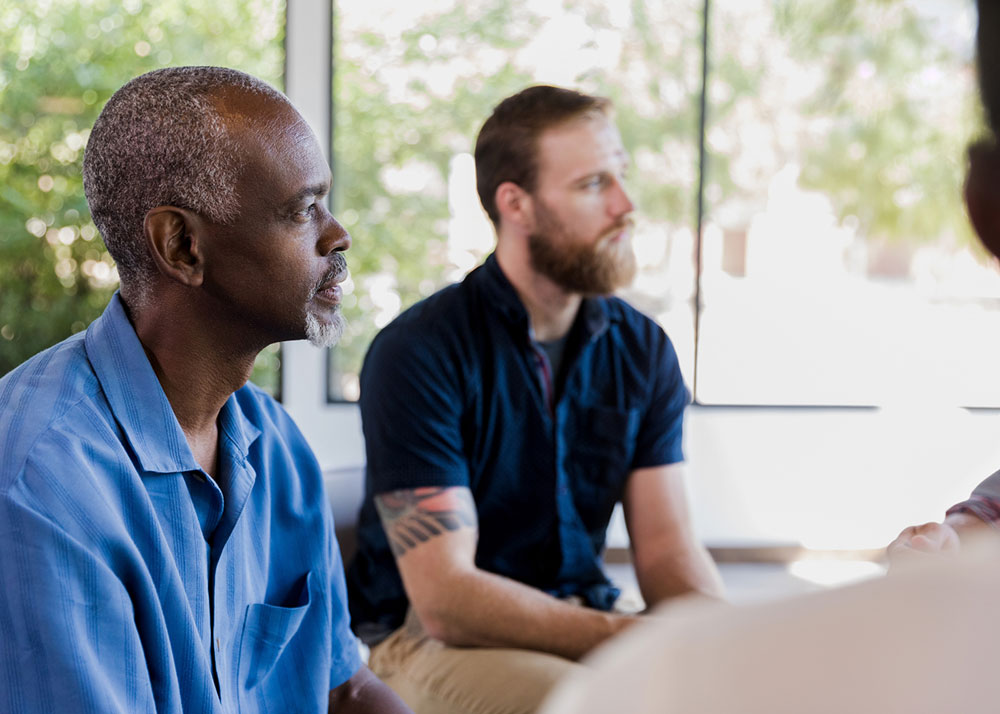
(442, 619)
(445, 607)
(442, 626)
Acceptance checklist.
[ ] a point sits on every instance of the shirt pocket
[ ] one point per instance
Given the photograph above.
(601, 450)
(270, 670)
(605, 442)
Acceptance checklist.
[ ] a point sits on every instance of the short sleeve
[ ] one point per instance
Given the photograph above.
(661, 429)
(411, 411)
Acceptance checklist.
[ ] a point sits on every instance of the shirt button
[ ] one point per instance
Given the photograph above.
(218, 646)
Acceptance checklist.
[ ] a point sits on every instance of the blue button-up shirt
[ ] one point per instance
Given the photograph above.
(455, 393)
(134, 583)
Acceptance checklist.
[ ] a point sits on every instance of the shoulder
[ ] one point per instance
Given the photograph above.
(38, 399)
(433, 319)
(647, 352)
(433, 336)
(636, 326)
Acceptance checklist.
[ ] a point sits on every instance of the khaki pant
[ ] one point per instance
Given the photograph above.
(433, 678)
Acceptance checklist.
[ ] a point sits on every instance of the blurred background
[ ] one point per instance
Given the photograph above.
(801, 233)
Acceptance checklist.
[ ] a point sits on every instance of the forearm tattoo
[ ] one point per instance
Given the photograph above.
(414, 516)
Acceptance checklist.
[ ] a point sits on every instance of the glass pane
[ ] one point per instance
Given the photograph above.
(60, 60)
(838, 264)
(414, 83)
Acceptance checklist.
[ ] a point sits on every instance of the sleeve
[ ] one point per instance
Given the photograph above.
(661, 429)
(411, 412)
(68, 636)
(984, 501)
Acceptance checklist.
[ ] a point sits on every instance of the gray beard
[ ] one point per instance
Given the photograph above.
(325, 334)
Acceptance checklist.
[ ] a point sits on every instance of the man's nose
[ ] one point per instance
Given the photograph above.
(334, 237)
(621, 204)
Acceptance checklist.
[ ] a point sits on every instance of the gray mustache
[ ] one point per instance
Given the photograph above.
(338, 269)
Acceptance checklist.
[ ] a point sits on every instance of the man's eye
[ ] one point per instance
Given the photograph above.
(306, 213)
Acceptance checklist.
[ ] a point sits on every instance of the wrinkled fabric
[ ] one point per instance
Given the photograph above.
(132, 582)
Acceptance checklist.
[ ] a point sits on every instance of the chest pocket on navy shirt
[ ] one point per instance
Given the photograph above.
(601, 454)
(608, 435)
(271, 674)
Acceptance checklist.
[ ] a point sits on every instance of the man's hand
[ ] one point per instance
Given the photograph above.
(929, 538)
(364, 693)
(937, 539)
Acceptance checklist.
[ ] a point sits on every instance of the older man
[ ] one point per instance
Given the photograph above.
(505, 416)
(165, 542)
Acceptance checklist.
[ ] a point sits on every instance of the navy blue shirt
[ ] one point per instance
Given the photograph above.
(454, 392)
(134, 583)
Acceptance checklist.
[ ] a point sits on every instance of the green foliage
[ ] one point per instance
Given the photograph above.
(60, 60)
(391, 116)
(895, 129)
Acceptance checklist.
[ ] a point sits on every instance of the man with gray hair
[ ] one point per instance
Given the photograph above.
(165, 540)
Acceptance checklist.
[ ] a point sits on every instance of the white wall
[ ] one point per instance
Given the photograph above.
(822, 478)
(832, 478)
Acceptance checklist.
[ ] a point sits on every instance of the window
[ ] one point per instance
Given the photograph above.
(836, 263)
(414, 82)
(60, 60)
(838, 266)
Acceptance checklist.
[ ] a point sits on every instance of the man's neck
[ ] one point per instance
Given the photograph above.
(196, 372)
(551, 309)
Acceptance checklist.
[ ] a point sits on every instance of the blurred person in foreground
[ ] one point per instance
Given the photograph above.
(504, 417)
(165, 541)
(921, 641)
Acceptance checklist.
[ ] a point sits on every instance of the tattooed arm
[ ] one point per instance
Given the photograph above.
(412, 517)
(433, 534)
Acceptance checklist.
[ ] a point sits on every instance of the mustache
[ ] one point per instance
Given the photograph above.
(337, 273)
(627, 223)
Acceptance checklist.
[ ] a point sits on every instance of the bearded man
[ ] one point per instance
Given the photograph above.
(505, 417)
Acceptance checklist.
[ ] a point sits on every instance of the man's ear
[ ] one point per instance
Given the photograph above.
(514, 205)
(174, 239)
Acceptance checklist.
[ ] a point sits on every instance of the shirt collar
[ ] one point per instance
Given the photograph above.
(597, 312)
(138, 402)
(236, 427)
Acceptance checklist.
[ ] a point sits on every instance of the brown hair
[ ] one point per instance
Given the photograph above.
(506, 147)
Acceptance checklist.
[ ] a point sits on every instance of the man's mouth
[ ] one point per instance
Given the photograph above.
(330, 294)
(617, 233)
(329, 289)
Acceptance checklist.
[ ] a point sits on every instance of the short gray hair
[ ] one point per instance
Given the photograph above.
(160, 140)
